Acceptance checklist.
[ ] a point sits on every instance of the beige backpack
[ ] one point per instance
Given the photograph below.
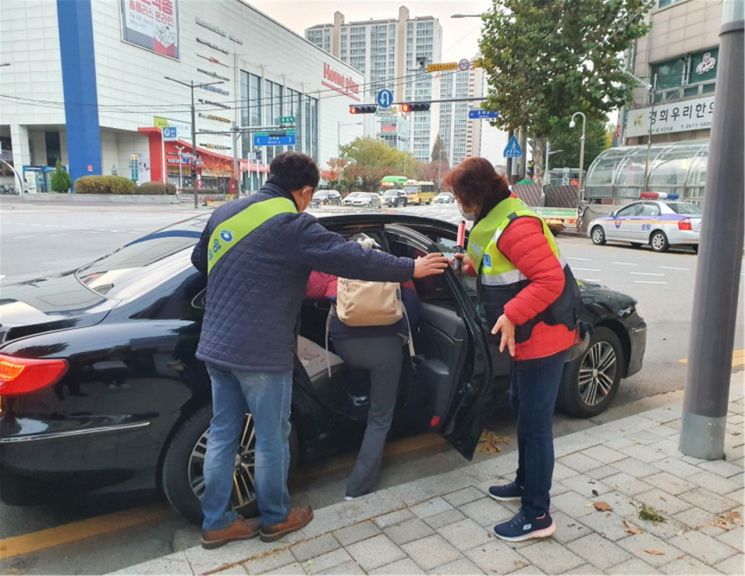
(362, 303)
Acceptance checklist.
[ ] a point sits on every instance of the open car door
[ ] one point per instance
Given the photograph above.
(452, 362)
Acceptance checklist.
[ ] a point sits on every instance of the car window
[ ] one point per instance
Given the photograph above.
(650, 210)
(631, 210)
(685, 208)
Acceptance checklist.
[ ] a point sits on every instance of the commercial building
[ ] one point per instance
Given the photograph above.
(677, 61)
(87, 83)
(392, 54)
(460, 135)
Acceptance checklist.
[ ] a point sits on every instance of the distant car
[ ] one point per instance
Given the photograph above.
(362, 200)
(326, 198)
(659, 223)
(444, 198)
(395, 198)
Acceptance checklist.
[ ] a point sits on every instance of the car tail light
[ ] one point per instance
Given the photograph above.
(685, 225)
(434, 422)
(26, 375)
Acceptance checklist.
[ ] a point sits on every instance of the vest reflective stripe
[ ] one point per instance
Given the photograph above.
(228, 233)
(504, 279)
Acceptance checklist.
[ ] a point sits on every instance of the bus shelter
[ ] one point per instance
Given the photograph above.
(618, 175)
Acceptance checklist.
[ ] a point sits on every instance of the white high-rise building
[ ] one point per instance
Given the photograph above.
(461, 136)
(392, 54)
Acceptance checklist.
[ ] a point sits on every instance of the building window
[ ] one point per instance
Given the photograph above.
(703, 66)
(669, 73)
(666, 3)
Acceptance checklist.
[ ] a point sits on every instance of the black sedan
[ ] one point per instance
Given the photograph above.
(100, 389)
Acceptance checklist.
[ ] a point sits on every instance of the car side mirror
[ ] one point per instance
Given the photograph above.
(614, 214)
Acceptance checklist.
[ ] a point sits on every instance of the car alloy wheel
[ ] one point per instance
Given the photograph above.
(658, 241)
(598, 235)
(597, 373)
(244, 485)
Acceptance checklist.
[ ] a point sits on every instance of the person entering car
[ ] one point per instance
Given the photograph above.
(529, 295)
(378, 350)
(257, 253)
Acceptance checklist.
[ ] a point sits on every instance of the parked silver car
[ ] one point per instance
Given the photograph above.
(362, 200)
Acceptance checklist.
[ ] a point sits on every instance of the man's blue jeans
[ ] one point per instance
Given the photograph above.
(535, 386)
(267, 396)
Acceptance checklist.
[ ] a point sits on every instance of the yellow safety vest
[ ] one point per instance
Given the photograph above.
(228, 233)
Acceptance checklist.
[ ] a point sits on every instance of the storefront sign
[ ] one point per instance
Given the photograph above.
(214, 89)
(182, 127)
(215, 118)
(211, 45)
(213, 74)
(676, 117)
(211, 103)
(151, 24)
(339, 82)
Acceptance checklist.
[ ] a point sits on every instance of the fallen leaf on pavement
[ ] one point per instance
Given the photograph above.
(490, 443)
(631, 529)
(654, 551)
(728, 520)
(649, 513)
(602, 506)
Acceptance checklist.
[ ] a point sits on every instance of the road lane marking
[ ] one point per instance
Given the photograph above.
(647, 274)
(81, 529)
(738, 359)
(61, 234)
(649, 282)
(625, 264)
(675, 268)
(23, 237)
(579, 259)
(586, 270)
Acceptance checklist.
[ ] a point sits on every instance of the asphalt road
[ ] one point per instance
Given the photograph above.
(97, 537)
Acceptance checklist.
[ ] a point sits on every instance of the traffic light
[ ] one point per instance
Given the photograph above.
(414, 106)
(363, 108)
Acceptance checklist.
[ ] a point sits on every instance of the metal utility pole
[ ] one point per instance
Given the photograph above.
(653, 93)
(180, 165)
(581, 151)
(720, 255)
(191, 85)
(508, 163)
(236, 173)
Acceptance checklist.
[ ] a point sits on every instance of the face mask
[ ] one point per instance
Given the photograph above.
(470, 216)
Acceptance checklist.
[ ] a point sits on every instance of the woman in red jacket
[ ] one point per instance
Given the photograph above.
(528, 295)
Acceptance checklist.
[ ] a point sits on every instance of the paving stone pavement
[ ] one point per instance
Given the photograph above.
(442, 524)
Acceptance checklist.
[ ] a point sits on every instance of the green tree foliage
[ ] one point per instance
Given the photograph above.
(368, 160)
(568, 140)
(61, 181)
(546, 59)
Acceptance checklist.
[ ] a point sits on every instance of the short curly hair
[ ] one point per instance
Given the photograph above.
(292, 171)
(475, 182)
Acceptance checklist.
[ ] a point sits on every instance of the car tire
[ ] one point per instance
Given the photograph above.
(598, 236)
(605, 354)
(180, 469)
(658, 241)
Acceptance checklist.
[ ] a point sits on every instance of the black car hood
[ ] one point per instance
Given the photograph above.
(600, 299)
(47, 304)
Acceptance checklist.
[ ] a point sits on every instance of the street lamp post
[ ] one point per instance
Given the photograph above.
(549, 152)
(572, 124)
(191, 85)
(339, 124)
(653, 97)
(180, 163)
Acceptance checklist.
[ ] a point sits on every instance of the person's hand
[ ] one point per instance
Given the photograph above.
(507, 329)
(466, 263)
(430, 265)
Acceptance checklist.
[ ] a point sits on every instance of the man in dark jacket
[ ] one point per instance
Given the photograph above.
(258, 253)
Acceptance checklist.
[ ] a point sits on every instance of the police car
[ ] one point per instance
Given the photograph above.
(657, 219)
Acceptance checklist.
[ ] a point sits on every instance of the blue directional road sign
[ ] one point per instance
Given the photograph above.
(269, 140)
(169, 133)
(384, 98)
(512, 150)
(481, 113)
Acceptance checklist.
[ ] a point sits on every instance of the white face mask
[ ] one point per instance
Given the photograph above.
(470, 216)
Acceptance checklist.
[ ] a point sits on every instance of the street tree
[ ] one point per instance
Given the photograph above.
(546, 59)
(368, 160)
(568, 141)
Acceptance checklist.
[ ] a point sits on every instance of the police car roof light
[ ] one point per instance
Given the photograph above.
(659, 196)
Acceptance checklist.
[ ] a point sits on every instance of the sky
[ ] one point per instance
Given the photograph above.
(460, 36)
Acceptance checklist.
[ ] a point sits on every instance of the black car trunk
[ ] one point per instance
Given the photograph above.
(46, 305)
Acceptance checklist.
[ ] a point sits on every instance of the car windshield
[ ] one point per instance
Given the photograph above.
(321, 195)
(145, 262)
(356, 195)
(685, 208)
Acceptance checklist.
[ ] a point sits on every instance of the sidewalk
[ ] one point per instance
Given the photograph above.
(602, 479)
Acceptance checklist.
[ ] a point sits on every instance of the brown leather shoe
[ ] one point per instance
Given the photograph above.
(241, 529)
(297, 518)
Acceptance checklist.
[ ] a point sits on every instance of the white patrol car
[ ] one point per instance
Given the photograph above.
(659, 220)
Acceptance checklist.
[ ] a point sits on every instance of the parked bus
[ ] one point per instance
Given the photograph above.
(419, 192)
(392, 182)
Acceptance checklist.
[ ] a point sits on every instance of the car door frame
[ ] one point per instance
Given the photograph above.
(615, 229)
(474, 398)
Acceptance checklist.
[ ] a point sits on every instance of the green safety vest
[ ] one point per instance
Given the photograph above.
(228, 233)
(493, 267)
(500, 280)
